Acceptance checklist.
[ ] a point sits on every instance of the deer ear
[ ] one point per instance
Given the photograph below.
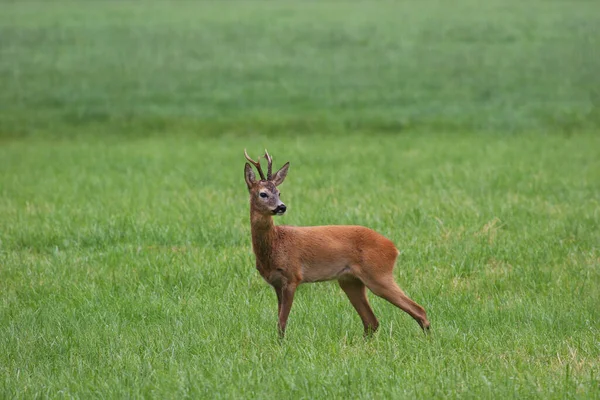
(280, 175)
(249, 176)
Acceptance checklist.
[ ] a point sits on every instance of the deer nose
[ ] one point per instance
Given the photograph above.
(281, 208)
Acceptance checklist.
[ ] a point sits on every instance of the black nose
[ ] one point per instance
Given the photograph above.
(281, 208)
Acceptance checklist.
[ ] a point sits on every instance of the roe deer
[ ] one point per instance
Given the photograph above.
(287, 256)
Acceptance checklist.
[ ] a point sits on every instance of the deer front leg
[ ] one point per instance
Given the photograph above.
(287, 298)
(279, 295)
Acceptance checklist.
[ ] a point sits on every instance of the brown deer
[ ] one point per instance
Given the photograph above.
(287, 256)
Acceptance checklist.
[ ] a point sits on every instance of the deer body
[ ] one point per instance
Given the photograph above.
(287, 256)
(321, 253)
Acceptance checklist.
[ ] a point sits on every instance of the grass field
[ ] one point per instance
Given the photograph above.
(467, 134)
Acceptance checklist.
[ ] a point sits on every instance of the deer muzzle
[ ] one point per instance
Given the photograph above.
(280, 209)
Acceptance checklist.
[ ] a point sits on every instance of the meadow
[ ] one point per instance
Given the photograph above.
(466, 133)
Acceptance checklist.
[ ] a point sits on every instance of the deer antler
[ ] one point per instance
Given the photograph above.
(257, 165)
(270, 164)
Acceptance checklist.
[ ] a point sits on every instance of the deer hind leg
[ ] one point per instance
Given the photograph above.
(356, 292)
(388, 289)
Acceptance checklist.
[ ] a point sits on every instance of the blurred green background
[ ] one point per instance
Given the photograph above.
(212, 67)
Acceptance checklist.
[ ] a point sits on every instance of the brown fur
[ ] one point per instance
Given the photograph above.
(287, 256)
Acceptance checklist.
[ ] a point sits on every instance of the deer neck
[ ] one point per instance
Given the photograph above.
(263, 237)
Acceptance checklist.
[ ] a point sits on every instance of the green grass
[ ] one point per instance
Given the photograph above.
(127, 269)
(467, 134)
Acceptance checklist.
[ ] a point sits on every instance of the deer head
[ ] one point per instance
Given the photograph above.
(264, 196)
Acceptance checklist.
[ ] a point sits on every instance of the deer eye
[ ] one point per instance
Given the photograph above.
(263, 195)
